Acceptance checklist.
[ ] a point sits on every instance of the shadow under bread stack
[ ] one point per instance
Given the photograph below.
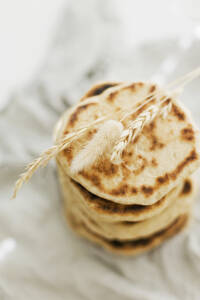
(131, 193)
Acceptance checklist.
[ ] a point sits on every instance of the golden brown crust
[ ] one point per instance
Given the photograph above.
(130, 247)
(109, 210)
(140, 178)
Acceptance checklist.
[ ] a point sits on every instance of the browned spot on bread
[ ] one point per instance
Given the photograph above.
(186, 188)
(133, 87)
(122, 190)
(154, 162)
(106, 168)
(92, 177)
(163, 179)
(152, 125)
(74, 116)
(191, 157)
(99, 89)
(147, 190)
(126, 154)
(111, 97)
(127, 159)
(125, 189)
(128, 223)
(187, 134)
(91, 132)
(155, 144)
(152, 89)
(140, 84)
(68, 152)
(178, 112)
(66, 132)
(166, 102)
(133, 190)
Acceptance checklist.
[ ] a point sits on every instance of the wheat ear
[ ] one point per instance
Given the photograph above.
(136, 126)
(50, 153)
(104, 139)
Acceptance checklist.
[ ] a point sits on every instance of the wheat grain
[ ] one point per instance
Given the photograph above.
(136, 126)
(103, 140)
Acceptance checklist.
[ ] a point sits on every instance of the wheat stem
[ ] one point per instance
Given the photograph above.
(50, 153)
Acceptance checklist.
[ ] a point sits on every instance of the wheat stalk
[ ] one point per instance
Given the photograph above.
(50, 153)
(135, 127)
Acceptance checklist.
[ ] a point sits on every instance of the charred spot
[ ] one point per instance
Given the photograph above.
(154, 162)
(129, 223)
(122, 190)
(133, 190)
(166, 102)
(126, 157)
(111, 97)
(99, 89)
(163, 179)
(155, 144)
(91, 177)
(152, 89)
(133, 87)
(187, 187)
(191, 157)
(178, 113)
(106, 167)
(152, 125)
(187, 134)
(74, 116)
(90, 133)
(147, 190)
(68, 152)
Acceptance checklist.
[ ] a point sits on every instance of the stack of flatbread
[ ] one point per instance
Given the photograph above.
(135, 205)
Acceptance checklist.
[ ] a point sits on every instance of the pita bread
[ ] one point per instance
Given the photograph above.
(165, 153)
(137, 230)
(128, 247)
(108, 211)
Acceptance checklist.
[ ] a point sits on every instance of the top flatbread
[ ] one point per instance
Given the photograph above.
(165, 152)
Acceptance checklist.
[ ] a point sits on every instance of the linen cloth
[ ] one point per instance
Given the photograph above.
(40, 258)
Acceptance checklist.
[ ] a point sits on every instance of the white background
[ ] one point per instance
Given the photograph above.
(27, 26)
